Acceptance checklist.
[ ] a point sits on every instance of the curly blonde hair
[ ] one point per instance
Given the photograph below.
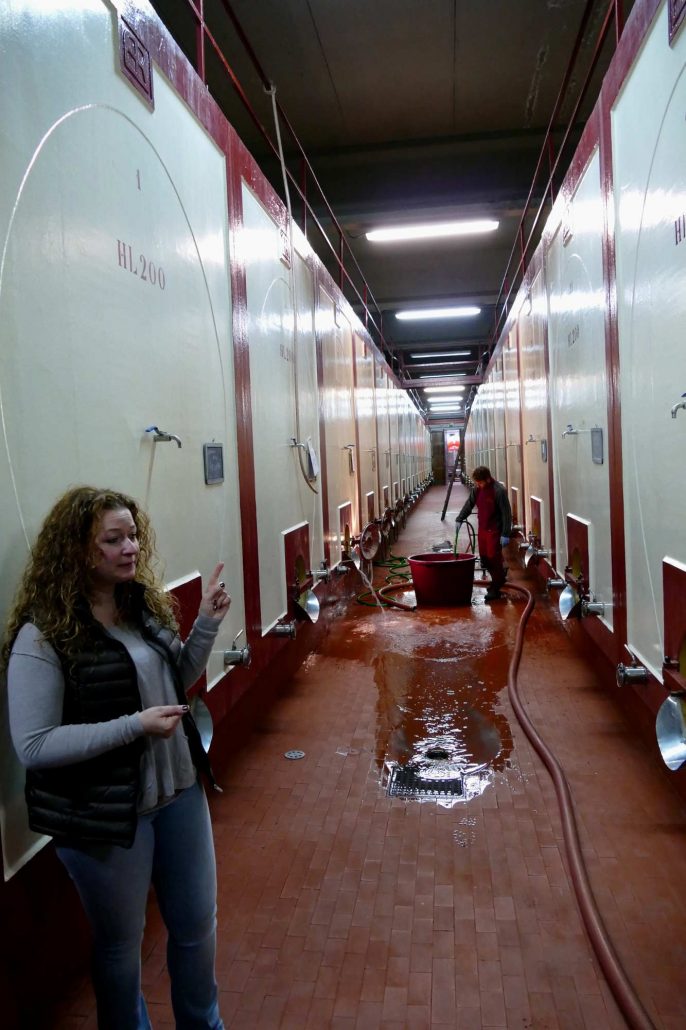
(56, 581)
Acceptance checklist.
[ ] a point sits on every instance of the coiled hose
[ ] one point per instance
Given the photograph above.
(625, 996)
(395, 580)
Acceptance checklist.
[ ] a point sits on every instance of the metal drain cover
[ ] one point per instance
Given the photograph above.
(294, 754)
(406, 782)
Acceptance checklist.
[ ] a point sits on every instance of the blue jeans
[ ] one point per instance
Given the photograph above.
(173, 850)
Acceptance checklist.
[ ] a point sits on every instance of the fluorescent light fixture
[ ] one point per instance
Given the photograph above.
(436, 401)
(432, 230)
(442, 389)
(444, 411)
(434, 364)
(417, 314)
(445, 354)
(442, 375)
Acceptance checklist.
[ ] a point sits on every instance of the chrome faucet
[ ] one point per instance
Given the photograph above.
(570, 431)
(163, 437)
(679, 404)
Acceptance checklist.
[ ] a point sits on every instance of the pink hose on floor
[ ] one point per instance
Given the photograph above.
(625, 996)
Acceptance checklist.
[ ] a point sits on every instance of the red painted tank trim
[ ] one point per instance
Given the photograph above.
(635, 31)
(614, 406)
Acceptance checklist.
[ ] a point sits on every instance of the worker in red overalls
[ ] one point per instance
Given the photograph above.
(495, 525)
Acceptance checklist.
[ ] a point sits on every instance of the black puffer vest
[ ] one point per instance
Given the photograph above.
(94, 801)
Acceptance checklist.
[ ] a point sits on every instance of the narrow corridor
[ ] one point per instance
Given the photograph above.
(342, 907)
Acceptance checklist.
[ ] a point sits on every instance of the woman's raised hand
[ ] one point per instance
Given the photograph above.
(215, 601)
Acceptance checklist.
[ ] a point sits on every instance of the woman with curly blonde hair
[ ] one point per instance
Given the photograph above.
(56, 576)
(97, 677)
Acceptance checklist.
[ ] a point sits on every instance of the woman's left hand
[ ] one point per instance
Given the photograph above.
(215, 601)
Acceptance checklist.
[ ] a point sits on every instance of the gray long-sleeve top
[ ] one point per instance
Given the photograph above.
(36, 697)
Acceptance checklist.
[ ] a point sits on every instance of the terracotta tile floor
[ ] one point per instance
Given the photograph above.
(342, 907)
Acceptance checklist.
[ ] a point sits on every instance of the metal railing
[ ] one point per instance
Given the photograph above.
(342, 255)
(513, 276)
(524, 242)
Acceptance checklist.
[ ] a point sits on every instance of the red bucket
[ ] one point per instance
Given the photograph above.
(442, 578)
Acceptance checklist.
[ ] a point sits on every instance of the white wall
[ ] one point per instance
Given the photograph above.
(94, 345)
(649, 159)
(284, 398)
(578, 380)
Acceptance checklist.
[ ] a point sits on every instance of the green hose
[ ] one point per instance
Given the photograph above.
(394, 578)
(471, 536)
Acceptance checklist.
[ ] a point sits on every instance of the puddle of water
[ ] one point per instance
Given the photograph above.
(424, 705)
(442, 721)
(440, 674)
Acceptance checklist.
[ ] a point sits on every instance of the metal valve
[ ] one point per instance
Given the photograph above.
(534, 553)
(238, 655)
(631, 674)
(323, 572)
(285, 629)
(592, 607)
(554, 583)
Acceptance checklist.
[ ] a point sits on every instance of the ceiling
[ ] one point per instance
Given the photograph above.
(409, 111)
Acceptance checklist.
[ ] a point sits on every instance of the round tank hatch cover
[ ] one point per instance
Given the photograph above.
(294, 754)
(370, 541)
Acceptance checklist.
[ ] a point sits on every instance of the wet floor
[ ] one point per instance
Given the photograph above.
(440, 672)
(341, 906)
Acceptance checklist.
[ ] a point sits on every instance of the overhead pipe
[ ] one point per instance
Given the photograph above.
(200, 41)
(306, 168)
(506, 287)
(619, 20)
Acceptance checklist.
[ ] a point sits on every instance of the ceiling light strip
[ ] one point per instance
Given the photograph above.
(432, 231)
(444, 354)
(455, 311)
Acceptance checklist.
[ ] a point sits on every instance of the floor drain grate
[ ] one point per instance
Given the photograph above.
(406, 782)
(294, 754)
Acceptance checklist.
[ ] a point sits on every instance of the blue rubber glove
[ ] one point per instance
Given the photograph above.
(504, 541)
